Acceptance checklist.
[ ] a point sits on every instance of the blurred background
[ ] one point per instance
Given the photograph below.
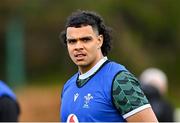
(34, 62)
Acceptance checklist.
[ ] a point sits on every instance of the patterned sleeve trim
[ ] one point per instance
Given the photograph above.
(127, 94)
(136, 111)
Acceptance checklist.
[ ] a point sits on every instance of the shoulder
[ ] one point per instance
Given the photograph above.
(124, 77)
(127, 82)
(128, 96)
(111, 68)
(113, 64)
(5, 90)
(72, 80)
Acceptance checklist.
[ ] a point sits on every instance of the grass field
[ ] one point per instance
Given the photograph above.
(39, 104)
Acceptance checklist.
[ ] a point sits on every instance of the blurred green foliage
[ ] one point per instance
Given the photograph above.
(146, 33)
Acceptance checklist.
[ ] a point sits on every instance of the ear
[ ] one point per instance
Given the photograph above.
(100, 41)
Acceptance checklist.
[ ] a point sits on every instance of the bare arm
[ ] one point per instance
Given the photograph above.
(146, 115)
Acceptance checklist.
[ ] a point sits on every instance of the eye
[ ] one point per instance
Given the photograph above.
(71, 41)
(86, 39)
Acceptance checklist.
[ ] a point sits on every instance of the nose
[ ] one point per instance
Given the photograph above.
(79, 45)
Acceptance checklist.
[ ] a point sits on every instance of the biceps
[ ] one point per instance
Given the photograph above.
(146, 115)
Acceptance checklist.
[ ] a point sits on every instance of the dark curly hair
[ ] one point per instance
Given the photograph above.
(82, 18)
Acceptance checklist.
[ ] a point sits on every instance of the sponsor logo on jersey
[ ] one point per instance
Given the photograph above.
(76, 96)
(72, 118)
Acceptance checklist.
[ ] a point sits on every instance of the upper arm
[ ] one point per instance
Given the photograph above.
(128, 96)
(146, 115)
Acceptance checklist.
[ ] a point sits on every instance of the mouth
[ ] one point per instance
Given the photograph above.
(80, 56)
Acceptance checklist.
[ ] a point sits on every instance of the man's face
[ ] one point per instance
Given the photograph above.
(84, 46)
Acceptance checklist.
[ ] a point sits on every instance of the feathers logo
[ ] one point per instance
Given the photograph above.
(87, 98)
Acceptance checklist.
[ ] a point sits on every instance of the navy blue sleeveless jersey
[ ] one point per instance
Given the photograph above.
(6, 91)
(93, 101)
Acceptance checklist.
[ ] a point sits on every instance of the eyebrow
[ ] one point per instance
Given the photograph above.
(81, 38)
(85, 38)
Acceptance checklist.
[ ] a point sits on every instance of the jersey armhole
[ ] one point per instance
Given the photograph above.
(112, 89)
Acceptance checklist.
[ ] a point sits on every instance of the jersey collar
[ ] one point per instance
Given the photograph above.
(93, 69)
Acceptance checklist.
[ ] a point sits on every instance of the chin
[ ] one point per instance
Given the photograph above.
(81, 63)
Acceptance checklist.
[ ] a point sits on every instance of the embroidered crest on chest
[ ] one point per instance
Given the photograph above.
(87, 99)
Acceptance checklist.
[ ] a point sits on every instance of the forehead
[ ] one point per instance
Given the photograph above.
(74, 32)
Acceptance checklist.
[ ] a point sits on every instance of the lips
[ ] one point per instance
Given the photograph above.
(79, 56)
